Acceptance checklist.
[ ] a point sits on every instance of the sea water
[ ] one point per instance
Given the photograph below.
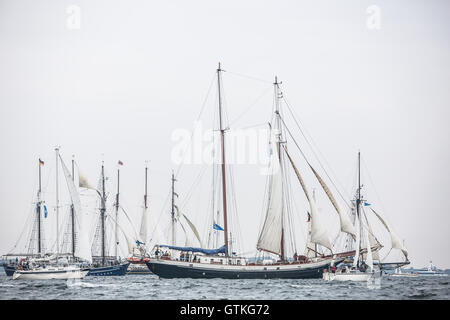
(151, 287)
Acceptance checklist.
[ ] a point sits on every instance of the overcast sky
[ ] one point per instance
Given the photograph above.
(118, 82)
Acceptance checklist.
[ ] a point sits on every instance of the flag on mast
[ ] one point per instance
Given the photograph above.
(41, 163)
(120, 163)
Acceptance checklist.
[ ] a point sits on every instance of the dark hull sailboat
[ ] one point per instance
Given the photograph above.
(177, 269)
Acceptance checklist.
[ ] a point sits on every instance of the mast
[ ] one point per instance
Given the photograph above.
(278, 128)
(57, 205)
(102, 214)
(224, 189)
(38, 211)
(145, 195)
(116, 235)
(358, 201)
(173, 209)
(72, 211)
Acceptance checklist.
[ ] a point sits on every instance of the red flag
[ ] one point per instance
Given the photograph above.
(120, 163)
(41, 163)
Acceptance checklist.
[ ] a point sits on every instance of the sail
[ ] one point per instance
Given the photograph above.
(271, 233)
(194, 229)
(358, 240)
(83, 247)
(83, 181)
(372, 240)
(319, 233)
(369, 258)
(346, 224)
(396, 242)
(143, 229)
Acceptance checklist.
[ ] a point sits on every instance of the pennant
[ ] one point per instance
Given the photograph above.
(217, 227)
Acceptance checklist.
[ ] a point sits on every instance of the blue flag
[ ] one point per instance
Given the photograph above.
(45, 211)
(366, 204)
(217, 227)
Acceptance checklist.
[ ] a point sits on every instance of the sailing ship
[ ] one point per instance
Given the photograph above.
(35, 241)
(138, 252)
(224, 263)
(104, 264)
(363, 267)
(60, 267)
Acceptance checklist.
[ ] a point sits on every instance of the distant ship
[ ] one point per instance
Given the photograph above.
(431, 270)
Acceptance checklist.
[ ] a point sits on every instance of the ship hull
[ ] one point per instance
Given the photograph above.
(351, 276)
(114, 270)
(177, 269)
(9, 269)
(138, 268)
(64, 274)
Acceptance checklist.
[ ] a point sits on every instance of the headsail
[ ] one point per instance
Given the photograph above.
(346, 224)
(143, 229)
(83, 248)
(194, 230)
(319, 233)
(396, 242)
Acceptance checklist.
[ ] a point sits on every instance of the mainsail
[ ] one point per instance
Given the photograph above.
(83, 248)
(271, 233)
(396, 242)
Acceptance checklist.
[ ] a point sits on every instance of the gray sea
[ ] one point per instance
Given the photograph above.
(150, 287)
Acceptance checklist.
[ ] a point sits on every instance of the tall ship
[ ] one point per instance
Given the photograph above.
(105, 264)
(60, 265)
(276, 236)
(138, 253)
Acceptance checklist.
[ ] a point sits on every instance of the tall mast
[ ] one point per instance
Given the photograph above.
(358, 200)
(173, 210)
(57, 205)
(224, 189)
(72, 211)
(278, 128)
(145, 195)
(116, 235)
(102, 214)
(38, 211)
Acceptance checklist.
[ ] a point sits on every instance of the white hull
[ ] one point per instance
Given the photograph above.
(50, 273)
(351, 276)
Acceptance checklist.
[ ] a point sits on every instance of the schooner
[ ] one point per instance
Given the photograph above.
(222, 262)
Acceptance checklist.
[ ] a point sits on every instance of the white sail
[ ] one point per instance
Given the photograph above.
(395, 240)
(346, 224)
(358, 240)
(83, 247)
(143, 229)
(369, 258)
(372, 240)
(194, 230)
(319, 233)
(271, 234)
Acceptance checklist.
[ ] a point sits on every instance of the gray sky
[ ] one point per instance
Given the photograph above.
(135, 71)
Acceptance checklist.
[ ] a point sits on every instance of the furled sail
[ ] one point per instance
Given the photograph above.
(143, 229)
(83, 247)
(358, 242)
(319, 233)
(270, 236)
(346, 224)
(369, 258)
(396, 242)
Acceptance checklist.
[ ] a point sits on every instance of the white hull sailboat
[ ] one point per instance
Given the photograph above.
(352, 275)
(35, 268)
(49, 273)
